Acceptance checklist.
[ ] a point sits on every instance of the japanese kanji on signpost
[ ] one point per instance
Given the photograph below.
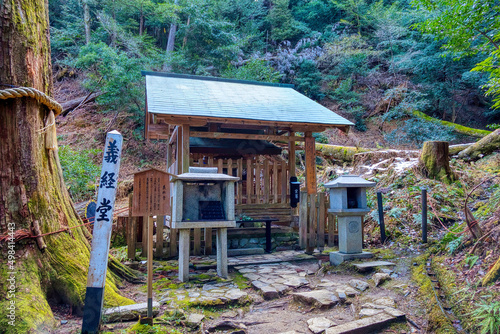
(96, 278)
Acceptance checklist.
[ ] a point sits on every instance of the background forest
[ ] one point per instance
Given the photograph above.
(364, 59)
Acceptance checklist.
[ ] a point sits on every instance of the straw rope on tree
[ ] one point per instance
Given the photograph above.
(41, 97)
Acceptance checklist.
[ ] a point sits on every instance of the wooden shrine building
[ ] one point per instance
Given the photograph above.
(240, 127)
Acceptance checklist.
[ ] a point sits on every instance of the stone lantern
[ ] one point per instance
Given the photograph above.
(348, 203)
(203, 198)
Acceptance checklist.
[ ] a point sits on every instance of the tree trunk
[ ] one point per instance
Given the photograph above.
(436, 160)
(32, 189)
(493, 274)
(141, 24)
(171, 38)
(86, 21)
(483, 147)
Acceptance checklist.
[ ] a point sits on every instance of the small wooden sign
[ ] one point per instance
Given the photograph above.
(151, 193)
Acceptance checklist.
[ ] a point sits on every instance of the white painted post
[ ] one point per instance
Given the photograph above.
(221, 242)
(98, 265)
(184, 254)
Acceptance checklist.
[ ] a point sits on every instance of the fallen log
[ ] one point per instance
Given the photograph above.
(455, 149)
(456, 127)
(342, 153)
(68, 106)
(483, 147)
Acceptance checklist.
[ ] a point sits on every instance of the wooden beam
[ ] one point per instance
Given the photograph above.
(203, 120)
(160, 128)
(219, 135)
(185, 148)
(173, 136)
(310, 150)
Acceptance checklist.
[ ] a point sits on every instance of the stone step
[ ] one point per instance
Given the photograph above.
(365, 266)
(128, 312)
(363, 326)
(245, 251)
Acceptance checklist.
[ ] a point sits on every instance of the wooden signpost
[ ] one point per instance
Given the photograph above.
(98, 265)
(151, 198)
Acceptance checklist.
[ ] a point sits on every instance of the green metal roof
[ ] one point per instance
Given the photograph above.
(188, 95)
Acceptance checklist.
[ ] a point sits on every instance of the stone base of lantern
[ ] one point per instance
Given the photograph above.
(337, 258)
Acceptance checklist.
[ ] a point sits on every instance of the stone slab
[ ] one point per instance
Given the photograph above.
(380, 278)
(359, 284)
(128, 312)
(365, 266)
(245, 251)
(194, 320)
(318, 298)
(319, 324)
(362, 326)
(337, 258)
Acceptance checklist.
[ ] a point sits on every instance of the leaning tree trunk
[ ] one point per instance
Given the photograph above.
(436, 160)
(32, 190)
(483, 147)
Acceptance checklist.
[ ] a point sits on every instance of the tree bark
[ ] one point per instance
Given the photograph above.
(32, 189)
(483, 147)
(86, 21)
(436, 160)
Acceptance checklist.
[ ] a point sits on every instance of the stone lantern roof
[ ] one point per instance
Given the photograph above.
(349, 181)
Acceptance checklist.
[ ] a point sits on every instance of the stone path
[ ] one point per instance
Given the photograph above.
(207, 262)
(278, 279)
(274, 280)
(209, 294)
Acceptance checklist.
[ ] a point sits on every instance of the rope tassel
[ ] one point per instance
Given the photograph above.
(50, 132)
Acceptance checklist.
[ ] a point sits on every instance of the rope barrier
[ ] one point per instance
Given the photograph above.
(41, 97)
(26, 234)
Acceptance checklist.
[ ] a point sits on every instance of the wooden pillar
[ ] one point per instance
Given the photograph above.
(185, 148)
(249, 180)
(303, 213)
(178, 151)
(150, 228)
(267, 181)
(321, 221)
(160, 220)
(144, 252)
(291, 156)
(310, 150)
(131, 231)
(312, 223)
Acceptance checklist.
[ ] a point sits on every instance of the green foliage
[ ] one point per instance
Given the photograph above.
(320, 137)
(468, 28)
(79, 171)
(454, 245)
(308, 80)
(344, 94)
(488, 315)
(282, 23)
(255, 69)
(116, 74)
(416, 131)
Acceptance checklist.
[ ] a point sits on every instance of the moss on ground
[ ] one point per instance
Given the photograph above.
(438, 321)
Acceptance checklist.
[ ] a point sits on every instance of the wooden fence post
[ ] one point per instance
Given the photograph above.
(303, 220)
